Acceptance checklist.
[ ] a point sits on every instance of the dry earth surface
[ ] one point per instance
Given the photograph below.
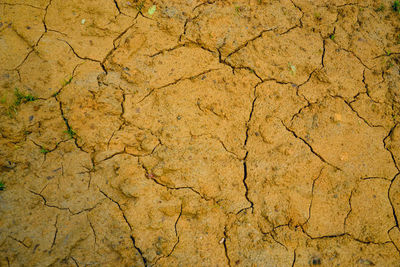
(207, 133)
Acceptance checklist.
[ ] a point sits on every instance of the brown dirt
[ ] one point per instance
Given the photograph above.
(210, 133)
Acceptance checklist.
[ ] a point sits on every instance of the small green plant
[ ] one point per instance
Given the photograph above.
(11, 111)
(44, 150)
(55, 94)
(388, 53)
(3, 100)
(152, 9)
(380, 8)
(396, 6)
(238, 10)
(70, 132)
(140, 6)
(67, 81)
(21, 98)
(332, 36)
(292, 69)
(2, 186)
(317, 15)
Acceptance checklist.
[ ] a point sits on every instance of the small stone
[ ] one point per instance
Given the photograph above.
(344, 156)
(83, 21)
(170, 12)
(337, 117)
(10, 165)
(316, 261)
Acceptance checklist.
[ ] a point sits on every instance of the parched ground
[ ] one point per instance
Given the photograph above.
(207, 133)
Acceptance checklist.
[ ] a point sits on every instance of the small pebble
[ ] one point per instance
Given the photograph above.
(83, 21)
(316, 261)
(31, 118)
(337, 117)
(366, 262)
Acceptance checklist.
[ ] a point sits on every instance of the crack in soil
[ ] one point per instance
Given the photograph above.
(177, 238)
(309, 146)
(55, 234)
(225, 246)
(312, 195)
(119, 207)
(391, 201)
(139, 251)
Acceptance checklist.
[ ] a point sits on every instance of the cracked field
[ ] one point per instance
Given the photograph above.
(199, 133)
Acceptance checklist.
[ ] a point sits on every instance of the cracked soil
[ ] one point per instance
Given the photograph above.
(210, 133)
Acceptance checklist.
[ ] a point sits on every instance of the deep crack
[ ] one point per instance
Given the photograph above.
(139, 251)
(309, 146)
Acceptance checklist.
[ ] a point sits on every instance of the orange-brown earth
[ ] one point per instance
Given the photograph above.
(209, 133)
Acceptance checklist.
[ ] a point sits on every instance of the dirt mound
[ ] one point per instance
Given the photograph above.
(204, 133)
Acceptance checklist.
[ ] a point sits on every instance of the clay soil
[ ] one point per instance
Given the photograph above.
(205, 133)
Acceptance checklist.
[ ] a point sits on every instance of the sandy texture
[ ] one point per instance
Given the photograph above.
(209, 133)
